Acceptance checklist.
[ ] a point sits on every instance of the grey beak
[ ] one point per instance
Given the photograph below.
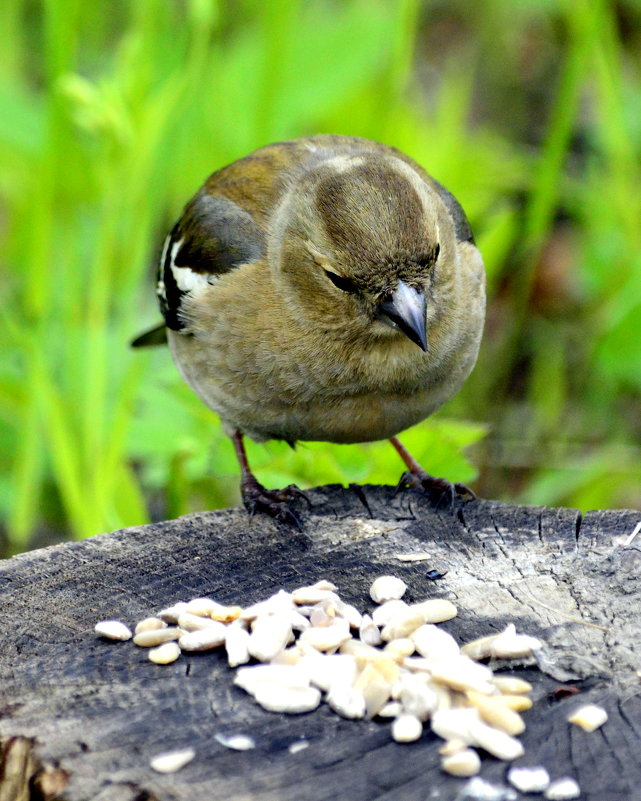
(406, 308)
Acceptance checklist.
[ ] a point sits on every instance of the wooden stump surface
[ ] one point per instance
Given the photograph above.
(80, 717)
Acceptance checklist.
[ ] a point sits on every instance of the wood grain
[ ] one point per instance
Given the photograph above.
(80, 718)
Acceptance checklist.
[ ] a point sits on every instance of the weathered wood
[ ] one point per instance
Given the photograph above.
(88, 715)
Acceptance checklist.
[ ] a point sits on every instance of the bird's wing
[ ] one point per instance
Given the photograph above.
(213, 236)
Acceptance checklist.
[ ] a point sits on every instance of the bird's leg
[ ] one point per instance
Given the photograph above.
(256, 498)
(438, 489)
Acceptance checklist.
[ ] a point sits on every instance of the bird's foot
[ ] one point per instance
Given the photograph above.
(443, 494)
(275, 503)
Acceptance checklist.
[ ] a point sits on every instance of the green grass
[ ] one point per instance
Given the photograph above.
(115, 112)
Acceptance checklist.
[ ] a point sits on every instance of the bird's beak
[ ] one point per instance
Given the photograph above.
(405, 307)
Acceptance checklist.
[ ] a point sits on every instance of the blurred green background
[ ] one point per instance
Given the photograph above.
(112, 114)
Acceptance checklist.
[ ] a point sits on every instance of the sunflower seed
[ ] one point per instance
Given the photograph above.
(563, 789)
(164, 654)
(172, 761)
(369, 632)
(402, 625)
(113, 630)
(236, 645)
(347, 701)
(462, 763)
(327, 638)
(150, 624)
(204, 639)
(510, 645)
(435, 610)
(434, 643)
(529, 780)
(293, 700)
(297, 746)
(385, 612)
(387, 588)
(589, 717)
(510, 685)
(406, 729)
(149, 639)
(497, 714)
(270, 634)
(191, 622)
(172, 613)
(237, 742)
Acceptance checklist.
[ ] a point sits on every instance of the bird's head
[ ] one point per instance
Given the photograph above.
(357, 242)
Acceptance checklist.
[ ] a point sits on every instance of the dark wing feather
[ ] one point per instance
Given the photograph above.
(213, 236)
(461, 224)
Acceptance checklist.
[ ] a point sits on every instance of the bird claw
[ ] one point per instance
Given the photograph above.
(443, 494)
(275, 503)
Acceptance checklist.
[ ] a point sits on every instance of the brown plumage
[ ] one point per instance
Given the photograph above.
(322, 289)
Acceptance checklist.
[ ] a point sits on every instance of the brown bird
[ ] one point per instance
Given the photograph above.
(326, 288)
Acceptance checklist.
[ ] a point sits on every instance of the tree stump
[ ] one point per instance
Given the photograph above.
(81, 717)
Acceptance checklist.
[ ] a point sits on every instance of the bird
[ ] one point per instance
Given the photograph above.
(325, 288)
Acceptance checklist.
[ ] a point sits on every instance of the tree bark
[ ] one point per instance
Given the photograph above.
(80, 718)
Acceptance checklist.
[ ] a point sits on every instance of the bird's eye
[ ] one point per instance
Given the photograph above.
(342, 283)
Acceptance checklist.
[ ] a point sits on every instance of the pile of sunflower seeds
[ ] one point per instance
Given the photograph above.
(394, 663)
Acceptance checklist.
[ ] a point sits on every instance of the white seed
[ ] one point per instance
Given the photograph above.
(510, 645)
(406, 729)
(589, 717)
(189, 622)
(202, 606)
(463, 674)
(293, 700)
(529, 780)
(399, 649)
(172, 613)
(364, 654)
(149, 639)
(511, 685)
(237, 742)
(417, 696)
(172, 761)
(236, 645)
(455, 724)
(113, 630)
(250, 678)
(226, 614)
(563, 789)
(347, 701)
(498, 743)
(387, 588)
(517, 703)
(391, 710)
(290, 656)
(452, 747)
(369, 632)
(327, 638)
(270, 634)
(434, 643)
(401, 625)
(322, 614)
(385, 612)
(435, 610)
(299, 745)
(312, 595)
(324, 670)
(419, 556)
(480, 648)
(477, 789)
(164, 654)
(375, 688)
(463, 763)
(280, 602)
(204, 639)
(496, 713)
(349, 612)
(150, 624)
